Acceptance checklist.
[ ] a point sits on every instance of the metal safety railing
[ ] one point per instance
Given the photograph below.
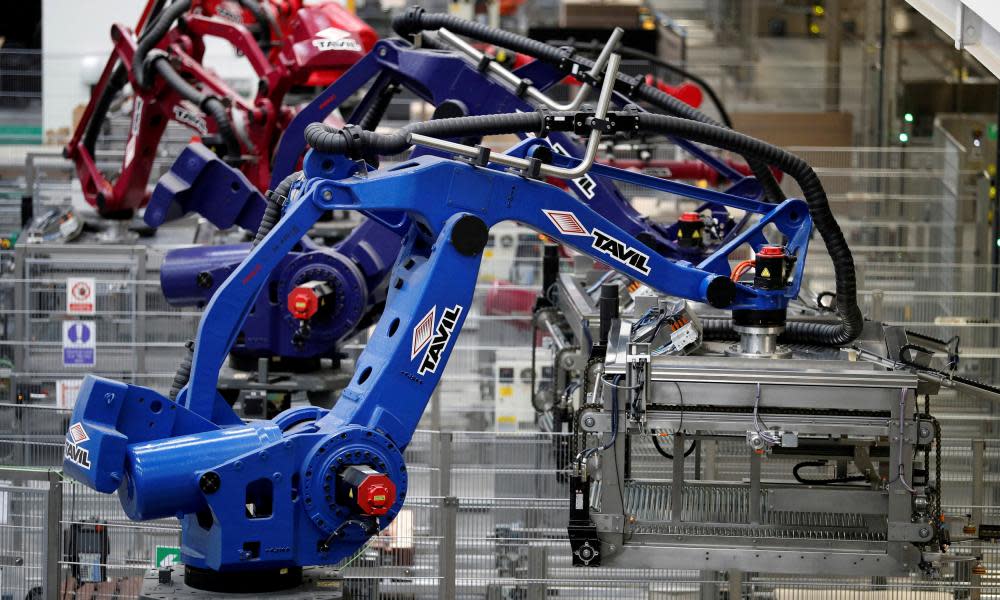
(485, 517)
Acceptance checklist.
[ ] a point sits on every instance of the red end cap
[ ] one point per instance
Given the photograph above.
(771, 251)
(303, 303)
(690, 217)
(376, 495)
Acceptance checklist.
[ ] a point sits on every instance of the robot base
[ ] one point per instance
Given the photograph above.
(294, 584)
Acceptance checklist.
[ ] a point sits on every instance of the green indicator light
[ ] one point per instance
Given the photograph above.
(908, 117)
(991, 131)
(904, 137)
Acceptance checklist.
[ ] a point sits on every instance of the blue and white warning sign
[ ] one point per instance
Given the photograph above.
(79, 343)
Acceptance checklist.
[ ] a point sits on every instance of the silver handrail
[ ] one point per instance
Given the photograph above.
(603, 102)
(504, 74)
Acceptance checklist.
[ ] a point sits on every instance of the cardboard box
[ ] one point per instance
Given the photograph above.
(606, 14)
(785, 129)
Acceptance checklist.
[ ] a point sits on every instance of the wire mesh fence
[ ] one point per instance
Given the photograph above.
(486, 517)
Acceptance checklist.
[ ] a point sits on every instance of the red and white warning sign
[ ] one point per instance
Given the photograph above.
(80, 295)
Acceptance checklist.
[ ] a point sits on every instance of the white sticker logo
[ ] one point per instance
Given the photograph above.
(234, 16)
(332, 38)
(620, 251)
(568, 224)
(133, 131)
(75, 453)
(439, 341)
(422, 333)
(185, 115)
(77, 433)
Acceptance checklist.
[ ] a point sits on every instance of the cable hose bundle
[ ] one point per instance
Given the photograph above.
(628, 52)
(275, 202)
(373, 117)
(152, 35)
(415, 20)
(822, 481)
(118, 79)
(264, 19)
(212, 106)
(851, 321)
(353, 141)
(183, 372)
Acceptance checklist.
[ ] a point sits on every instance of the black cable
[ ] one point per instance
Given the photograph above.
(627, 51)
(415, 20)
(276, 200)
(668, 455)
(353, 141)
(183, 373)
(115, 83)
(822, 481)
(851, 320)
(212, 106)
(373, 117)
(152, 35)
(265, 20)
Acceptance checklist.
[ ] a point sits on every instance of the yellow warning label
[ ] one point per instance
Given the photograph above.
(506, 391)
(507, 419)
(680, 233)
(488, 254)
(765, 273)
(696, 234)
(350, 493)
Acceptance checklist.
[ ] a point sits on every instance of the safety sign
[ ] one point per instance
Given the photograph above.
(79, 343)
(80, 297)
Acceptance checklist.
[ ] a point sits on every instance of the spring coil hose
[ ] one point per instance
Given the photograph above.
(415, 20)
(352, 141)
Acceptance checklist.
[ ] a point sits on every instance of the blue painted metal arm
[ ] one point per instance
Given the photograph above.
(211, 475)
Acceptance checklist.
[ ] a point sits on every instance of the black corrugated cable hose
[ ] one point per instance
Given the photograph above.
(275, 201)
(353, 141)
(152, 36)
(851, 321)
(272, 214)
(212, 106)
(373, 117)
(118, 79)
(415, 20)
(656, 61)
(264, 19)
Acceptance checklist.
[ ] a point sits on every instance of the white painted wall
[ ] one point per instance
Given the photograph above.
(76, 43)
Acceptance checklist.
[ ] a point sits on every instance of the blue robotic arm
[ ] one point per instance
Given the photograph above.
(311, 486)
(351, 273)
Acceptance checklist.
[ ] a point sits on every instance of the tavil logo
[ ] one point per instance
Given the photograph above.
(185, 115)
(332, 38)
(435, 340)
(77, 433)
(568, 224)
(422, 333)
(75, 453)
(620, 251)
(227, 13)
